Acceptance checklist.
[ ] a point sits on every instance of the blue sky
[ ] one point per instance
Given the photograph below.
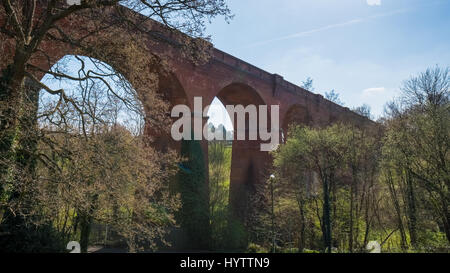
(363, 49)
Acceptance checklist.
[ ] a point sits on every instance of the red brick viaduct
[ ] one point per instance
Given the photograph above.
(234, 82)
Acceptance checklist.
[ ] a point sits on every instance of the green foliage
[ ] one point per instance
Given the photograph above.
(194, 213)
(289, 250)
(310, 251)
(330, 175)
(255, 248)
(322, 151)
(236, 235)
(219, 155)
(386, 182)
(432, 241)
(416, 152)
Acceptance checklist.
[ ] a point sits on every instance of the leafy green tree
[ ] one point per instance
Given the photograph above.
(219, 156)
(362, 162)
(321, 151)
(417, 146)
(106, 178)
(194, 216)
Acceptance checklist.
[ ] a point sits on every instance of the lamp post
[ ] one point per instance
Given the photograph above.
(272, 178)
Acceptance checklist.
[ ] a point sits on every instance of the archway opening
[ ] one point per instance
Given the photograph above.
(103, 169)
(220, 131)
(86, 93)
(247, 166)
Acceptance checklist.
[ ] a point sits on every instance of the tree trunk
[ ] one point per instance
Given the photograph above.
(394, 198)
(326, 229)
(18, 142)
(9, 111)
(352, 201)
(86, 219)
(367, 220)
(412, 215)
(446, 219)
(301, 240)
(85, 224)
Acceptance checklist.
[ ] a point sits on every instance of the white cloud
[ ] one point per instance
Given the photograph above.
(374, 92)
(377, 97)
(374, 2)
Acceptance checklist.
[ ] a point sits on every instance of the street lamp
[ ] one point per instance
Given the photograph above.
(271, 179)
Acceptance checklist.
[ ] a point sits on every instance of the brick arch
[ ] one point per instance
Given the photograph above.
(239, 93)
